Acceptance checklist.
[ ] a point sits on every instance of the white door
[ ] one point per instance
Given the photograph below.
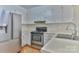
(16, 25)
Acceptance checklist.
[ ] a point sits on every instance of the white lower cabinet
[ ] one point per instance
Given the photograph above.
(47, 37)
(26, 38)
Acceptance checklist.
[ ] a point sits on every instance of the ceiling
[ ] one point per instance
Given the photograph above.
(29, 6)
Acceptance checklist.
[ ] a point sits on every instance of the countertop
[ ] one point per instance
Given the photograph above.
(59, 45)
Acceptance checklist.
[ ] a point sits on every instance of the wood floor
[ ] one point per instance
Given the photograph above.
(29, 49)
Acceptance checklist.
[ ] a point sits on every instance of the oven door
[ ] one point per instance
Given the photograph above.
(37, 38)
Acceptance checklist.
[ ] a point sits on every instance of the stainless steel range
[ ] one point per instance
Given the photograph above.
(37, 37)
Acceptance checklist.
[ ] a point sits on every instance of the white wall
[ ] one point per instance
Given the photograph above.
(15, 9)
(76, 17)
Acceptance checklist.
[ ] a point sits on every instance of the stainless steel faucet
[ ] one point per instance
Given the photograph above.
(75, 32)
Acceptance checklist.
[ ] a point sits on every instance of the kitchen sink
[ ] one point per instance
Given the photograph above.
(66, 36)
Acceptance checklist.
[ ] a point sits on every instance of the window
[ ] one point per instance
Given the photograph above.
(3, 29)
(4, 15)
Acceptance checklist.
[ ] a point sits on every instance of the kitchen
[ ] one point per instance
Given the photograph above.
(58, 19)
(46, 25)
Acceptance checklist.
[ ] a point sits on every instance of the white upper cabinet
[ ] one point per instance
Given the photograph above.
(56, 11)
(67, 12)
(55, 14)
(47, 13)
(41, 13)
(50, 14)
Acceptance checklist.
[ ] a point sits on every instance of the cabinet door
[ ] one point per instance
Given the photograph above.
(23, 41)
(55, 15)
(26, 38)
(67, 12)
(47, 37)
(56, 12)
(46, 40)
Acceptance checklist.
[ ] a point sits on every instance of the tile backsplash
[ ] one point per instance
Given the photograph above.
(51, 27)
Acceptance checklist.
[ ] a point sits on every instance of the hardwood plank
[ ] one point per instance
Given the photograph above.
(29, 49)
